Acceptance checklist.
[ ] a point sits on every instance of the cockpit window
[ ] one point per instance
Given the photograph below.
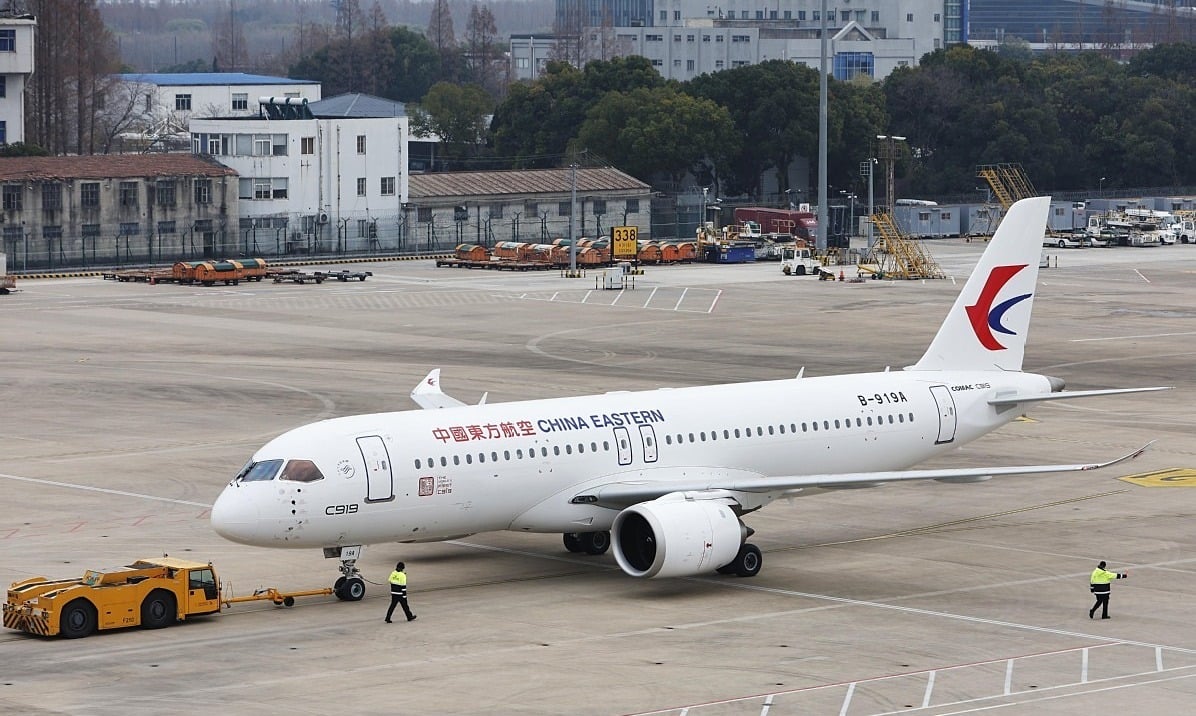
(259, 471)
(301, 471)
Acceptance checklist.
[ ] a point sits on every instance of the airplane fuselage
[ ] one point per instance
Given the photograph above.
(430, 475)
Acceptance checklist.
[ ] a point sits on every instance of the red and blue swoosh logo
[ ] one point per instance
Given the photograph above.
(984, 316)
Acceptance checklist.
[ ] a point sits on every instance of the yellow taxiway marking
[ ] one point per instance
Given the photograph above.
(1171, 477)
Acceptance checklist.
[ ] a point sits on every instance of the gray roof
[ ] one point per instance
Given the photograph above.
(521, 182)
(360, 106)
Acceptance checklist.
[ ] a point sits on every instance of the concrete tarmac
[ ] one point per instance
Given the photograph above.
(125, 408)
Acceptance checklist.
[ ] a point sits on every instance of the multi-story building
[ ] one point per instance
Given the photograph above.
(1083, 23)
(686, 38)
(16, 65)
(161, 104)
(104, 210)
(314, 176)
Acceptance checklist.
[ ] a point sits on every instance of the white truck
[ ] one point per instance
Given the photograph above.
(798, 260)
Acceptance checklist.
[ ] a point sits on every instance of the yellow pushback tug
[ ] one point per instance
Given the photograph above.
(150, 593)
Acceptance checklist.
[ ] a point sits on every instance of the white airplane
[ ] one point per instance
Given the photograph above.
(664, 476)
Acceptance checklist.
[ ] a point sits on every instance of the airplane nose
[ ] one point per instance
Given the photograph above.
(235, 516)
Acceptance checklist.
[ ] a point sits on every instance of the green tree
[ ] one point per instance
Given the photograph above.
(659, 132)
(405, 74)
(1175, 61)
(457, 114)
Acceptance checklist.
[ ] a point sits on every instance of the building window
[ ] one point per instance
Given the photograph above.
(128, 193)
(689, 38)
(937, 17)
(564, 208)
(4, 89)
(240, 101)
(3, 132)
(203, 226)
(676, 63)
(165, 193)
(495, 211)
(876, 16)
(8, 40)
(633, 206)
(130, 228)
(719, 38)
(424, 214)
(719, 64)
(531, 208)
(388, 186)
(182, 102)
(657, 63)
(705, 38)
(307, 145)
(676, 38)
(51, 196)
(845, 15)
(848, 65)
(801, 15)
(599, 207)
(360, 186)
(363, 228)
(166, 227)
(676, 14)
(261, 145)
(203, 191)
(664, 16)
(52, 232)
(653, 38)
(89, 194)
(13, 196)
(90, 231)
(909, 17)
(279, 147)
(361, 144)
(689, 65)
(281, 187)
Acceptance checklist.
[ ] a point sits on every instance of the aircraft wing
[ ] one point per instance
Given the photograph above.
(429, 396)
(618, 495)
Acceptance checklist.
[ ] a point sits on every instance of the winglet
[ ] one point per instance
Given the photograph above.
(428, 394)
(1123, 458)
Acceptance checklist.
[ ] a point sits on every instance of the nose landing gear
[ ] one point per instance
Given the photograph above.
(349, 587)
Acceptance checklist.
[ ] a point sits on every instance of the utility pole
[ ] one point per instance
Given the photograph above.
(866, 170)
(820, 240)
(572, 215)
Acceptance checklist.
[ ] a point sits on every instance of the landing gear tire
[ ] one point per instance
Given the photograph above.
(78, 619)
(338, 587)
(158, 610)
(352, 590)
(747, 563)
(573, 542)
(595, 542)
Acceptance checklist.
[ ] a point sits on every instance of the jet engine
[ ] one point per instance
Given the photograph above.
(677, 535)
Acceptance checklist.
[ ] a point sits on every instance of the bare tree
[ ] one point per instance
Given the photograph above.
(230, 52)
(440, 28)
(73, 53)
(568, 28)
(482, 52)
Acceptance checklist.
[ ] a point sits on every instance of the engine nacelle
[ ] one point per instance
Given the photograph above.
(676, 535)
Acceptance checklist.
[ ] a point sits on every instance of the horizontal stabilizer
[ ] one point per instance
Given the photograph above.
(618, 495)
(429, 396)
(1066, 394)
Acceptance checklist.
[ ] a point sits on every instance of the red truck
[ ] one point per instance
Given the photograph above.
(801, 224)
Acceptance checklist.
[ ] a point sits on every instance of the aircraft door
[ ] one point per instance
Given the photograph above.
(947, 416)
(648, 437)
(379, 479)
(623, 445)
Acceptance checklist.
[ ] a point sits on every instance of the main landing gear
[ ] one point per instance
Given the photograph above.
(746, 564)
(349, 587)
(588, 542)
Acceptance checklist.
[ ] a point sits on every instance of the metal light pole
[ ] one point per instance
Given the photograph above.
(702, 221)
(820, 241)
(866, 170)
(1102, 187)
(572, 213)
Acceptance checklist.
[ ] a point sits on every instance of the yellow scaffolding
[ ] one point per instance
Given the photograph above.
(1009, 182)
(898, 255)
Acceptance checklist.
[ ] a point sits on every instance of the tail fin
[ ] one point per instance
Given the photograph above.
(987, 326)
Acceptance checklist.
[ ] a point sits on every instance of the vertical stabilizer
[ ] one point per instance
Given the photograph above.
(987, 326)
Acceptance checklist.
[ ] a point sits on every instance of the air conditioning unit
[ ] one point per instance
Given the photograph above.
(322, 217)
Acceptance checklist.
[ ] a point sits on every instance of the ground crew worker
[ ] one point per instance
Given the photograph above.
(398, 592)
(1099, 584)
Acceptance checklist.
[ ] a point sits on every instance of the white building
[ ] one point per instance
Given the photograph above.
(16, 65)
(164, 103)
(315, 177)
(687, 38)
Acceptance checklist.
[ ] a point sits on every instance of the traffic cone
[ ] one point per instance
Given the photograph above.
(840, 274)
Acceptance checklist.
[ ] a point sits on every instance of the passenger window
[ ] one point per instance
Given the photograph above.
(543, 452)
(301, 471)
(702, 435)
(668, 439)
(759, 431)
(649, 441)
(259, 471)
(815, 426)
(714, 435)
(793, 427)
(556, 449)
(481, 457)
(911, 417)
(606, 445)
(417, 465)
(726, 435)
(506, 454)
(836, 425)
(736, 432)
(581, 447)
(519, 453)
(568, 449)
(494, 457)
(594, 447)
(770, 430)
(468, 458)
(869, 420)
(803, 428)
(900, 417)
(443, 461)
(826, 425)
(456, 459)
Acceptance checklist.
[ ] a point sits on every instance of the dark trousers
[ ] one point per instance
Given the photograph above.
(396, 598)
(1102, 603)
